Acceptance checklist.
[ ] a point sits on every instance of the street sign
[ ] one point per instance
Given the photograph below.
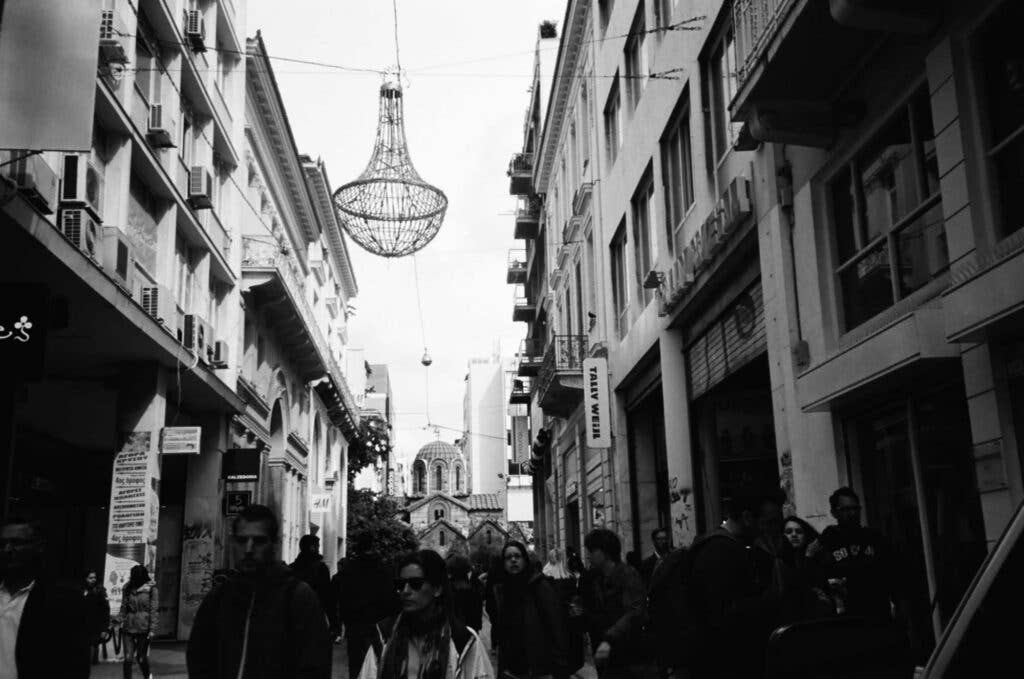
(320, 503)
(180, 440)
(595, 402)
(241, 464)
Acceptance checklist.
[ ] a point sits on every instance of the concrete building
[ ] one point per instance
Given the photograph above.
(157, 362)
(484, 407)
(806, 271)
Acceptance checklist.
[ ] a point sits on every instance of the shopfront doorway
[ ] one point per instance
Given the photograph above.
(648, 473)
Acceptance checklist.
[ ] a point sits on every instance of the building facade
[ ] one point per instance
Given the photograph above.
(806, 270)
(138, 259)
(484, 407)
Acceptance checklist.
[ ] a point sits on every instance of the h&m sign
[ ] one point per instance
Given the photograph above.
(595, 402)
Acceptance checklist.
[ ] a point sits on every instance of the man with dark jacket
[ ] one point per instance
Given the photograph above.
(613, 595)
(669, 623)
(662, 540)
(365, 593)
(43, 626)
(309, 567)
(263, 624)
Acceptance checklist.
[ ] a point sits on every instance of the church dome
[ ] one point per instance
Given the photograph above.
(438, 450)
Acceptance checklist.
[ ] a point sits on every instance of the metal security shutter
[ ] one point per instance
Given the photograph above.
(732, 341)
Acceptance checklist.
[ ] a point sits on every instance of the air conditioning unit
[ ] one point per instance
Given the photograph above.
(40, 188)
(195, 30)
(119, 258)
(158, 302)
(80, 228)
(160, 132)
(82, 185)
(196, 335)
(219, 354)
(112, 49)
(200, 188)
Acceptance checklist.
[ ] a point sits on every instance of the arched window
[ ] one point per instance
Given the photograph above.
(419, 478)
(489, 536)
(441, 538)
(439, 511)
(438, 478)
(458, 477)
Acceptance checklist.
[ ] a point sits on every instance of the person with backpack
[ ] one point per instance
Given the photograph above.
(265, 623)
(139, 614)
(425, 640)
(528, 622)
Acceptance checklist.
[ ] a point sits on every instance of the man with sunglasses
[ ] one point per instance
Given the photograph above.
(265, 623)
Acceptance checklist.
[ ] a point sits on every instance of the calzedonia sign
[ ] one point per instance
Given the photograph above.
(595, 402)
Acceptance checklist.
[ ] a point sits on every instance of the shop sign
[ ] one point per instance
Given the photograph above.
(180, 440)
(320, 503)
(23, 321)
(595, 402)
(241, 464)
(236, 501)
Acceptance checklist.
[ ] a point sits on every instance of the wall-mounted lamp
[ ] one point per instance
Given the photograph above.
(654, 280)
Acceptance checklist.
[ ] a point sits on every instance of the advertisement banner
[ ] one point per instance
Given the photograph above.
(181, 440)
(320, 503)
(595, 402)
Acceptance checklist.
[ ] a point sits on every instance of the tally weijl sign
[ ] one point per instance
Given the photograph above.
(595, 402)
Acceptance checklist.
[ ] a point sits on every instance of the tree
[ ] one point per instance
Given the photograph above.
(374, 443)
(373, 513)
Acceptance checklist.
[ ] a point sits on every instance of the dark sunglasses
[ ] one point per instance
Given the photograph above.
(415, 583)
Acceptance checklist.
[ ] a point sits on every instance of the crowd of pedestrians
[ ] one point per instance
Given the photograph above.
(705, 611)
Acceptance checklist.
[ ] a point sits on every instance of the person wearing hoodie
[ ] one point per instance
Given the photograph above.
(426, 640)
(528, 622)
(265, 623)
(139, 614)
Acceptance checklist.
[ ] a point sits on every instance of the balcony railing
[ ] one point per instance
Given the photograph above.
(754, 22)
(563, 359)
(516, 274)
(522, 309)
(528, 217)
(522, 389)
(520, 172)
(530, 357)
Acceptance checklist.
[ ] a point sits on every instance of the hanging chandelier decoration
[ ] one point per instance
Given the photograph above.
(389, 210)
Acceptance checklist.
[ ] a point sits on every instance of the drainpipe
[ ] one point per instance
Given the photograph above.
(784, 190)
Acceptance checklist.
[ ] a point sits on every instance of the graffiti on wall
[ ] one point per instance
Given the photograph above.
(681, 501)
(197, 549)
(786, 483)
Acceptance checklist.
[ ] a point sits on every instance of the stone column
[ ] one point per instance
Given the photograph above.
(678, 438)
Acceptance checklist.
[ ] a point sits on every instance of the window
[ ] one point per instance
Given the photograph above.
(579, 300)
(438, 478)
(604, 11)
(458, 477)
(574, 157)
(185, 263)
(613, 122)
(723, 85)
(490, 536)
(677, 172)
(584, 126)
(148, 64)
(635, 53)
(567, 307)
(620, 295)
(142, 227)
(441, 537)
(643, 255)
(419, 478)
(1002, 57)
(887, 213)
(591, 277)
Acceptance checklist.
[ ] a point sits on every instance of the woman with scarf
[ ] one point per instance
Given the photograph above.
(528, 622)
(425, 641)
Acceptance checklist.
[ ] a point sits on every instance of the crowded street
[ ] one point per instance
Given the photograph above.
(546, 339)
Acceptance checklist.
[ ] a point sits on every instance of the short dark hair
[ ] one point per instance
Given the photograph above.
(259, 514)
(306, 541)
(741, 502)
(845, 491)
(458, 567)
(660, 529)
(605, 540)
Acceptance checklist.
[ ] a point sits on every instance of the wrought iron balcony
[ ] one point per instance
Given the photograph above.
(522, 389)
(528, 217)
(523, 310)
(560, 381)
(520, 172)
(516, 274)
(531, 356)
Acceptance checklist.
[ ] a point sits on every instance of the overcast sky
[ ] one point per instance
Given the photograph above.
(468, 65)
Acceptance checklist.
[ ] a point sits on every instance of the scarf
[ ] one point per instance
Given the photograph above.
(434, 633)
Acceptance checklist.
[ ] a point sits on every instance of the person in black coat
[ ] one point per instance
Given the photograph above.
(364, 590)
(97, 607)
(52, 638)
(466, 600)
(309, 567)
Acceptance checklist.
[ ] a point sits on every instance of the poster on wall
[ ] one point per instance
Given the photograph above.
(595, 402)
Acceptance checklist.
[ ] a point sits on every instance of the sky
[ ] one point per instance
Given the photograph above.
(468, 65)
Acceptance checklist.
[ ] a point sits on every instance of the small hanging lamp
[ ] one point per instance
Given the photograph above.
(389, 210)
(426, 360)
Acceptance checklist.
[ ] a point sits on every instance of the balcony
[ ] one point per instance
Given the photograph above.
(522, 390)
(528, 217)
(523, 311)
(560, 381)
(531, 356)
(783, 95)
(581, 199)
(520, 173)
(516, 273)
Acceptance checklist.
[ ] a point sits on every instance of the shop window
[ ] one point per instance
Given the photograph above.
(643, 245)
(677, 172)
(635, 54)
(620, 294)
(915, 464)
(887, 216)
(613, 122)
(721, 83)
(1002, 63)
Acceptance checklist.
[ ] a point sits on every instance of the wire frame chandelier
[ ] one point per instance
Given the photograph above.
(389, 210)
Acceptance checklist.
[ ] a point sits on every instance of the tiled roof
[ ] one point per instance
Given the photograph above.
(484, 502)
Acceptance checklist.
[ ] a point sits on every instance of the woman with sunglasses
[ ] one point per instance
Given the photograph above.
(425, 641)
(528, 621)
